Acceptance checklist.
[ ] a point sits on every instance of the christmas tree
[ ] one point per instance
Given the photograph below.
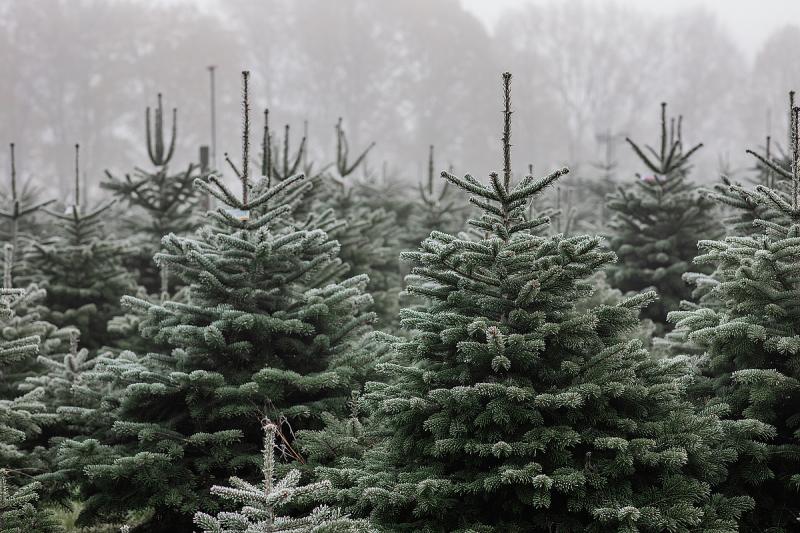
(745, 212)
(656, 226)
(264, 333)
(81, 269)
(510, 410)
(18, 513)
(261, 503)
(439, 209)
(162, 202)
(20, 206)
(24, 320)
(747, 328)
(368, 230)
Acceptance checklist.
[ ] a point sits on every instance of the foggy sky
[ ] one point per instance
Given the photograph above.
(750, 20)
(402, 73)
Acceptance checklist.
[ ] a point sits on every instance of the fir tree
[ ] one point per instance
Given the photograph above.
(656, 226)
(510, 410)
(748, 329)
(263, 332)
(20, 206)
(438, 210)
(18, 512)
(24, 321)
(261, 503)
(163, 203)
(744, 213)
(81, 270)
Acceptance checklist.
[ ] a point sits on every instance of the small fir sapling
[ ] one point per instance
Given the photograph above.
(262, 503)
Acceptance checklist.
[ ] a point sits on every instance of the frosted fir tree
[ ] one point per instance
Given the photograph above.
(262, 503)
(19, 211)
(18, 511)
(750, 338)
(655, 227)
(163, 202)
(440, 210)
(510, 410)
(20, 416)
(24, 311)
(81, 269)
(368, 231)
(745, 215)
(264, 333)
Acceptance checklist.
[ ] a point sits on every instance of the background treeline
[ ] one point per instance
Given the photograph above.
(403, 73)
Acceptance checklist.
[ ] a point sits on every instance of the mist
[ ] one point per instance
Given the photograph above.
(404, 75)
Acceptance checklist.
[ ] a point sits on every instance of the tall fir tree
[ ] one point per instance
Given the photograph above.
(656, 226)
(510, 410)
(264, 332)
(162, 202)
(748, 329)
(81, 269)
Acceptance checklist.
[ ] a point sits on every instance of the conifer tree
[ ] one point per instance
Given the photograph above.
(20, 205)
(163, 202)
(81, 269)
(24, 321)
(748, 329)
(264, 332)
(18, 513)
(441, 210)
(510, 410)
(656, 226)
(262, 502)
(744, 214)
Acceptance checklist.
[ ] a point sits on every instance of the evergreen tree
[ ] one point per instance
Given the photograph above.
(434, 209)
(163, 203)
(261, 503)
(656, 226)
(18, 514)
(369, 234)
(24, 321)
(510, 410)
(81, 270)
(19, 206)
(748, 329)
(745, 214)
(263, 332)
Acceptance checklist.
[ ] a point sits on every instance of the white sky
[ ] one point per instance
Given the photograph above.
(750, 21)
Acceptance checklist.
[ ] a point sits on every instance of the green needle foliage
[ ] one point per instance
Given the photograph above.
(264, 332)
(749, 333)
(18, 513)
(262, 502)
(655, 228)
(510, 410)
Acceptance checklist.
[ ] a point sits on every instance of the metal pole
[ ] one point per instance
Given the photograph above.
(211, 69)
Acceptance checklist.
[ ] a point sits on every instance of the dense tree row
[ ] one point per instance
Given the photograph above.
(240, 351)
